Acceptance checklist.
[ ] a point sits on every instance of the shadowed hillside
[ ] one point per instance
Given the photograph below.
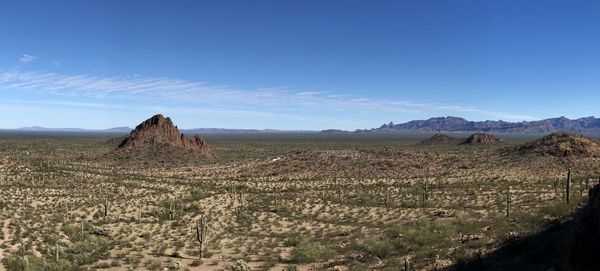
(571, 245)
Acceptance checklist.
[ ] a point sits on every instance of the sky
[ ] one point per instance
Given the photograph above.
(295, 65)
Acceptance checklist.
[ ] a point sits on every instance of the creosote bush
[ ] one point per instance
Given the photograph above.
(308, 252)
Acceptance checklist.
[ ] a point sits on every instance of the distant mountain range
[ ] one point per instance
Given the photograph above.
(456, 124)
(126, 130)
(588, 125)
(44, 129)
(239, 131)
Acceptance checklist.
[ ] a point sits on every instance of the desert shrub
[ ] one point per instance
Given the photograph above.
(311, 252)
(196, 262)
(380, 247)
(241, 265)
(295, 239)
(559, 210)
(31, 262)
(420, 234)
(89, 251)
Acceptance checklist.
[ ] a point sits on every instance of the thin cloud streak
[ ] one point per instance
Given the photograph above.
(182, 91)
(67, 103)
(27, 58)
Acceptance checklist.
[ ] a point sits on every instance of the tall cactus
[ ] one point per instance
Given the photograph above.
(425, 194)
(105, 207)
(171, 213)
(568, 188)
(385, 198)
(587, 184)
(81, 229)
(56, 252)
(242, 199)
(66, 207)
(508, 202)
(201, 235)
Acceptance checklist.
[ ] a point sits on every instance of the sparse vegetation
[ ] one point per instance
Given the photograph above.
(291, 202)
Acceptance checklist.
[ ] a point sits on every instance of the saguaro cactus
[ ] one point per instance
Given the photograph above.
(425, 194)
(66, 207)
(171, 212)
(568, 188)
(201, 235)
(242, 199)
(508, 202)
(56, 252)
(105, 207)
(385, 198)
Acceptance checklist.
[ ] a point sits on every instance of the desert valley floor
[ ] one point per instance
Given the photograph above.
(277, 202)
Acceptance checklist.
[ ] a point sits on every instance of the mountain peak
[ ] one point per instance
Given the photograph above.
(160, 132)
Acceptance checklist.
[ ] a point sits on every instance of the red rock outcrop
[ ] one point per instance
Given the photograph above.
(160, 132)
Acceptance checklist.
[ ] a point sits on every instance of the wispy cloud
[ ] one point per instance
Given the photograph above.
(27, 58)
(279, 101)
(66, 103)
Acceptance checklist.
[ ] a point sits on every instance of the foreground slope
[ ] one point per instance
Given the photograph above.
(570, 245)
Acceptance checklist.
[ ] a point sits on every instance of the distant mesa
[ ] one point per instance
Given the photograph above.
(563, 145)
(482, 138)
(440, 139)
(159, 133)
(74, 130)
(334, 131)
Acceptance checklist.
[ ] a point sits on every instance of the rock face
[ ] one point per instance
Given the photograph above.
(159, 132)
(440, 139)
(482, 138)
(563, 145)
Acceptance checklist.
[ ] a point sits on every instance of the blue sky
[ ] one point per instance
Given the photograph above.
(295, 64)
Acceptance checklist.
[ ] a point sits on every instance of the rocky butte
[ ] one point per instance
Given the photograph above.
(160, 132)
(482, 138)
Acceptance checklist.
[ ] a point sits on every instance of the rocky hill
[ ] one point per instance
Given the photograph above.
(563, 145)
(455, 124)
(440, 139)
(158, 136)
(482, 138)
